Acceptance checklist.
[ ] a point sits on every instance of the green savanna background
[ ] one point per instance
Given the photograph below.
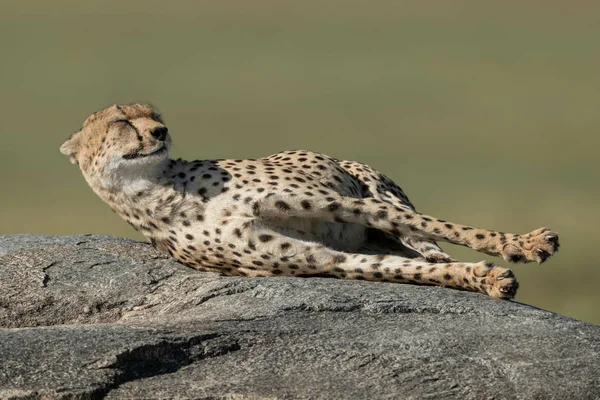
(485, 112)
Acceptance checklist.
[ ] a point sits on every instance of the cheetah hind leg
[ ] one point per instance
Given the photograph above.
(280, 255)
(378, 186)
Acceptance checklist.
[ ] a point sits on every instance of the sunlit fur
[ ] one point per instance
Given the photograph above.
(107, 136)
(295, 213)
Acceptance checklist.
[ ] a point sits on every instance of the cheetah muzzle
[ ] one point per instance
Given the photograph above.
(294, 213)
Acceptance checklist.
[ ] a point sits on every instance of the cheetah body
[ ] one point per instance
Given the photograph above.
(295, 213)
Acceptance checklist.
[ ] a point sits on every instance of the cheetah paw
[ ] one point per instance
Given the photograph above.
(536, 246)
(497, 281)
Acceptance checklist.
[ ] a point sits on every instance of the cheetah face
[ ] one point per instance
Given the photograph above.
(118, 141)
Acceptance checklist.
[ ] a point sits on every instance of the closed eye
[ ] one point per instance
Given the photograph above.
(129, 124)
(122, 121)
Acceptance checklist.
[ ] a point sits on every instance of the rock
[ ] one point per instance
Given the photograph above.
(101, 317)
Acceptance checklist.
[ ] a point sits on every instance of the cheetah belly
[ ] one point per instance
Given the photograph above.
(344, 237)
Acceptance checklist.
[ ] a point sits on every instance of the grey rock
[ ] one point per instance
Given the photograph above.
(100, 317)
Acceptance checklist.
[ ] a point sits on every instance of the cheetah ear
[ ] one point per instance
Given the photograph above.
(71, 146)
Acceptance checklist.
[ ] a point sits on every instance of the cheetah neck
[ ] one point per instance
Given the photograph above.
(141, 195)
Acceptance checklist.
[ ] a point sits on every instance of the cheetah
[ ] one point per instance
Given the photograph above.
(294, 213)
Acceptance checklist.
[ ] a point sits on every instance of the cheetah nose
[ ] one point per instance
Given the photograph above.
(159, 133)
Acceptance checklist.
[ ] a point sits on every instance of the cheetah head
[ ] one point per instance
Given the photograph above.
(119, 142)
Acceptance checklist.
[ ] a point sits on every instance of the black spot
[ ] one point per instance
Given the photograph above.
(480, 236)
(382, 214)
(307, 205)
(265, 238)
(333, 206)
(447, 277)
(282, 205)
(378, 275)
(188, 236)
(339, 259)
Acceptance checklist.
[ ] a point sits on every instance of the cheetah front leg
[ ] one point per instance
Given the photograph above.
(537, 246)
(270, 253)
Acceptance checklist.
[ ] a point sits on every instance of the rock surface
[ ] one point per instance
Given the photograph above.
(102, 317)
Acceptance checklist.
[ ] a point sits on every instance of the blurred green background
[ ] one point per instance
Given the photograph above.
(486, 113)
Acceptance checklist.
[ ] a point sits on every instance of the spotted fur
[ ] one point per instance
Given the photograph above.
(295, 213)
